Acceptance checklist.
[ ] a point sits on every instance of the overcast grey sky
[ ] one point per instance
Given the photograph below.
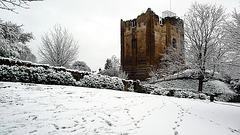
(95, 23)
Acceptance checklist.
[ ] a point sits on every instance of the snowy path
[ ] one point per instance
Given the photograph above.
(49, 109)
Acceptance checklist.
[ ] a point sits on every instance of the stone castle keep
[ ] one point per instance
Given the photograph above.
(145, 38)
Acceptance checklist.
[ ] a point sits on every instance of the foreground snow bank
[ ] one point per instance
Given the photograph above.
(48, 109)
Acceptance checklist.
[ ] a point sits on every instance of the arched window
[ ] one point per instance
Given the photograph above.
(160, 21)
(134, 23)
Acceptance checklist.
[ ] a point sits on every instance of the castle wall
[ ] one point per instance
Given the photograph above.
(134, 48)
(169, 29)
(160, 37)
(142, 41)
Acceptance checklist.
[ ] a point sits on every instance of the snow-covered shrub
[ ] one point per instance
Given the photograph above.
(225, 97)
(112, 72)
(235, 84)
(193, 95)
(35, 75)
(81, 66)
(180, 93)
(101, 81)
(122, 74)
(202, 96)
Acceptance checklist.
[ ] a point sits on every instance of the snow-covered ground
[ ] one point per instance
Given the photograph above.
(49, 109)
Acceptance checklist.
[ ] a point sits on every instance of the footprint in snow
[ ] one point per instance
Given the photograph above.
(33, 131)
(234, 130)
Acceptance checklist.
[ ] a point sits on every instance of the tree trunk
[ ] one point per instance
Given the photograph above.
(200, 85)
(214, 68)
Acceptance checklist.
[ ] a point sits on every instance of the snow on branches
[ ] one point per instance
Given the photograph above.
(203, 31)
(11, 4)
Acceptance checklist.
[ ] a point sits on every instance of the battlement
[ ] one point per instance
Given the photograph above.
(141, 20)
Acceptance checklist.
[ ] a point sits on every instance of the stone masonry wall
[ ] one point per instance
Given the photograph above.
(143, 40)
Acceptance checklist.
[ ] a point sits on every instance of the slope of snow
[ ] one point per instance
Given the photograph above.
(191, 74)
(211, 86)
(48, 109)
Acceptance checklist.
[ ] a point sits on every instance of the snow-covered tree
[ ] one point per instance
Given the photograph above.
(169, 63)
(173, 58)
(113, 68)
(13, 42)
(115, 62)
(12, 38)
(27, 55)
(203, 29)
(110, 67)
(81, 66)
(59, 48)
(14, 33)
(108, 64)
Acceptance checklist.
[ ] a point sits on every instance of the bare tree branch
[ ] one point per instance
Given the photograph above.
(11, 4)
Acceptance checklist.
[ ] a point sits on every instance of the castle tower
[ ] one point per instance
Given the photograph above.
(145, 38)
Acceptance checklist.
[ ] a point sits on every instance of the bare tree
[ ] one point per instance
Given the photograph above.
(11, 4)
(203, 29)
(59, 48)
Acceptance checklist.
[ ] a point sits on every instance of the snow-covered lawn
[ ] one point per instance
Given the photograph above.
(49, 109)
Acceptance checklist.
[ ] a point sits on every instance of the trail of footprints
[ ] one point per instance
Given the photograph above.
(179, 120)
(136, 121)
(183, 112)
